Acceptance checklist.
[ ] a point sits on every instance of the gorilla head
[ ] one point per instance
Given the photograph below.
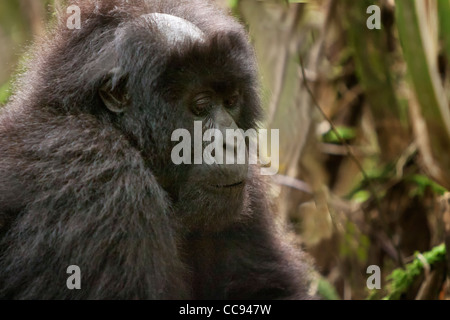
(186, 75)
(87, 176)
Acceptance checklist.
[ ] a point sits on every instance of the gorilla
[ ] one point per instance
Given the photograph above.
(86, 175)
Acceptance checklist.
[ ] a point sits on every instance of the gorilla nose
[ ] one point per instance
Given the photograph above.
(228, 163)
(234, 167)
(231, 175)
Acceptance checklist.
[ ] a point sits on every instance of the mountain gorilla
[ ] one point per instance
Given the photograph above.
(86, 176)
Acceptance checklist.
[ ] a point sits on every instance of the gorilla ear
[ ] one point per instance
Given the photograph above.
(114, 94)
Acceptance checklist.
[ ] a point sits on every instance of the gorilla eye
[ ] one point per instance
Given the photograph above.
(202, 103)
(232, 101)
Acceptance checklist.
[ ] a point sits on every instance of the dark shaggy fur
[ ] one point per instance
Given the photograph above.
(82, 186)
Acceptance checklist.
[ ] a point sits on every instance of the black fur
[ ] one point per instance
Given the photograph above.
(80, 185)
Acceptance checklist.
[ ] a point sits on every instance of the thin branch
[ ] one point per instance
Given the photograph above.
(292, 183)
(353, 158)
(344, 143)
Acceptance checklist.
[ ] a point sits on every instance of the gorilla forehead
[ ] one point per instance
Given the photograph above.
(159, 34)
(174, 30)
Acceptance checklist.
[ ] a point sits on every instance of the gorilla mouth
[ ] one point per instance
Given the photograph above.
(237, 184)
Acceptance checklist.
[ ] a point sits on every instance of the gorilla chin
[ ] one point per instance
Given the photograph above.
(214, 216)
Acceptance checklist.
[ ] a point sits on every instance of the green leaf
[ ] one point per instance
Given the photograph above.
(361, 196)
(345, 133)
(423, 183)
(4, 93)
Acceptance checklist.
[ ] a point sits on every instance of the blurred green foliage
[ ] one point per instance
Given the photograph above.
(424, 183)
(343, 132)
(326, 290)
(402, 279)
(4, 93)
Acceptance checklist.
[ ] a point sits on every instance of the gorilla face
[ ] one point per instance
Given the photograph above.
(208, 82)
(217, 183)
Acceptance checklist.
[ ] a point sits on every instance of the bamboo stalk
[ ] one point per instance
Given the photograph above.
(419, 43)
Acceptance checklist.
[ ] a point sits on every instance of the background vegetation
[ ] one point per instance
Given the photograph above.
(364, 123)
